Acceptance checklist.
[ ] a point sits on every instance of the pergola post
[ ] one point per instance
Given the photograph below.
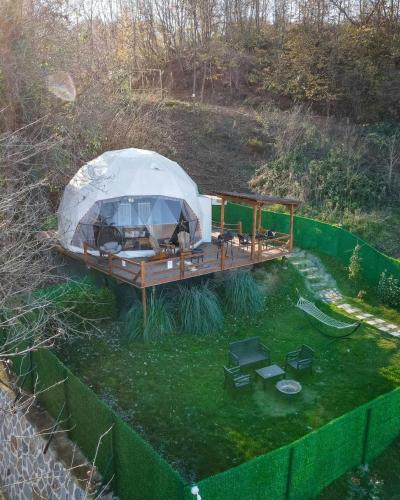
(254, 230)
(291, 238)
(259, 224)
(258, 231)
(222, 215)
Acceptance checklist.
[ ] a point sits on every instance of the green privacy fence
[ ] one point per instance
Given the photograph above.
(132, 466)
(302, 469)
(297, 471)
(310, 234)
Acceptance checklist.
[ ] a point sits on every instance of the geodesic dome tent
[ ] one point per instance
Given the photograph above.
(136, 197)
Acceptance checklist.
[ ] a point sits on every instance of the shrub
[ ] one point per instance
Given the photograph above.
(199, 310)
(389, 290)
(81, 300)
(242, 294)
(50, 223)
(355, 265)
(160, 321)
(256, 145)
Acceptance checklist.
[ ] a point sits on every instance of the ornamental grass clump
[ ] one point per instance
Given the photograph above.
(160, 321)
(199, 309)
(242, 294)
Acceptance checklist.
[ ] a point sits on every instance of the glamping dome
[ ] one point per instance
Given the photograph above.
(130, 202)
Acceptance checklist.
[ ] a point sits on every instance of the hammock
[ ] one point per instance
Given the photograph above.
(312, 310)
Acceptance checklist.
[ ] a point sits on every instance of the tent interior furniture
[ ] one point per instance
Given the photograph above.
(301, 359)
(248, 352)
(109, 240)
(235, 379)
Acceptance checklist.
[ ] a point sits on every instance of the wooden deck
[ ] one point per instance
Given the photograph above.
(142, 273)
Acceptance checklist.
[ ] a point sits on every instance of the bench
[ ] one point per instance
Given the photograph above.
(248, 351)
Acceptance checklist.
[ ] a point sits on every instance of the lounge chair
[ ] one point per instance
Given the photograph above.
(301, 359)
(235, 379)
(248, 352)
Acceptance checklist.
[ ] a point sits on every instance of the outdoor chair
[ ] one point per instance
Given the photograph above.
(109, 240)
(244, 240)
(235, 379)
(301, 359)
(222, 239)
(248, 352)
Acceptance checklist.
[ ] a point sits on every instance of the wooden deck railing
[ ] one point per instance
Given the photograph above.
(237, 226)
(143, 273)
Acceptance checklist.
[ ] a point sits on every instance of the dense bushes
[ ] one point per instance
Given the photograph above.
(241, 293)
(80, 300)
(199, 310)
(389, 290)
(159, 322)
(195, 308)
(332, 168)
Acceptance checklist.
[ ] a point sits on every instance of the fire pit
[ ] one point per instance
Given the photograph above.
(288, 387)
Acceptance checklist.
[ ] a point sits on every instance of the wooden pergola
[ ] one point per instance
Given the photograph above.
(257, 201)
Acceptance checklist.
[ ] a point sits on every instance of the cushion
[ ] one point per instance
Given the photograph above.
(111, 246)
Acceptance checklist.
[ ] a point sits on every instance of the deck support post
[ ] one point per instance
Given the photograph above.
(142, 273)
(222, 215)
(254, 230)
(291, 238)
(144, 306)
(222, 255)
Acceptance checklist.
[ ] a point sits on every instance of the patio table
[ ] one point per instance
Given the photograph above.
(269, 372)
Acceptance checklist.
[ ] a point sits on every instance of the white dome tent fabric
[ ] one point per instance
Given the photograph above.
(141, 196)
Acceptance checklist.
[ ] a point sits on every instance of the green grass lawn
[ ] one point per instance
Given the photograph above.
(171, 391)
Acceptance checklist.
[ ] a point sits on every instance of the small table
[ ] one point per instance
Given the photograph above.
(268, 372)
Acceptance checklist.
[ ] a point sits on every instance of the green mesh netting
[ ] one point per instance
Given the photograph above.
(322, 456)
(384, 423)
(89, 419)
(261, 478)
(141, 472)
(49, 377)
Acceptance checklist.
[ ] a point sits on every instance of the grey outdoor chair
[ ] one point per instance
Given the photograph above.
(301, 359)
(109, 240)
(248, 351)
(235, 379)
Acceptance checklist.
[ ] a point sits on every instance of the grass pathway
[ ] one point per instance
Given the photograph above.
(324, 287)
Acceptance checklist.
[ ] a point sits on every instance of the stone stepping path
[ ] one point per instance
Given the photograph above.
(316, 277)
(324, 287)
(370, 319)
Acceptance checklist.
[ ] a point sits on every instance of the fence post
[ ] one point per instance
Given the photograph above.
(366, 437)
(289, 473)
(32, 369)
(67, 406)
(114, 452)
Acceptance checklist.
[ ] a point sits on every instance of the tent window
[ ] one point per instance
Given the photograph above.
(124, 214)
(144, 210)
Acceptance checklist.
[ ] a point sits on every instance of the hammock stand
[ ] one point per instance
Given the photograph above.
(311, 309)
